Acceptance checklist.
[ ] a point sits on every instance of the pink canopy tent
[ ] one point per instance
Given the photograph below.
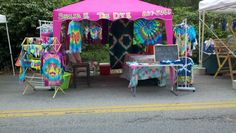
(112, 10)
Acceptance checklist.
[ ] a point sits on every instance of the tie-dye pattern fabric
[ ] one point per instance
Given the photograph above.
(147, 32)
(75, 33)
(24, 65)
(146, 72)
(52, 69)
(185, 38)
(185, 71)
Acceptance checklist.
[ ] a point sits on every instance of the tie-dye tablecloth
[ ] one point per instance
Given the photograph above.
(135, 72)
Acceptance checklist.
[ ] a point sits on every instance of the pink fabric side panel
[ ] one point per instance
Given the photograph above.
(67, 36)
(169, 31)
(56, 26)
(57, 29)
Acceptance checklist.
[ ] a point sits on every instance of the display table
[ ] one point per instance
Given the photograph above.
(142, 71)
(142, 67)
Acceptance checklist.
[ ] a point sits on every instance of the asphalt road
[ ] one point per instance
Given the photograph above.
(110, 91)
(177, 121)
(107, 106)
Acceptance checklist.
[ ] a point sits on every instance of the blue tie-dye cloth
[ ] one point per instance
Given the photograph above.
(147, 32)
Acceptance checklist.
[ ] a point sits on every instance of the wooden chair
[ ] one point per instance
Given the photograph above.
(224, 55)
(76, 67)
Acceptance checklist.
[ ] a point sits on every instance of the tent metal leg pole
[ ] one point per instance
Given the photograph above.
(199, 41)
(9, 43)
(203, 31)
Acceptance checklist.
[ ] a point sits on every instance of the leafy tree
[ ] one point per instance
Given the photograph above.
(23, 16)
(174, 3)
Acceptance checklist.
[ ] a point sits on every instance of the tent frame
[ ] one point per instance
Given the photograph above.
(9, 43)
(202, 25)
(163, 13)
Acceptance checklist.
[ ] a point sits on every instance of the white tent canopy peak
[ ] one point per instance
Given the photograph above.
(218, 6)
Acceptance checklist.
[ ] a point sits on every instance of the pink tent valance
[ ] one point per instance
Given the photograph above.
(112, 10)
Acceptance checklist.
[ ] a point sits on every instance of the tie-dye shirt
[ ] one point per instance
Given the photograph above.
(185, 39)
(52, 68)
(75, 33)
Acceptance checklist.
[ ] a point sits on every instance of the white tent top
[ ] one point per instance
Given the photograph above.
(218, 6)
(3, 19)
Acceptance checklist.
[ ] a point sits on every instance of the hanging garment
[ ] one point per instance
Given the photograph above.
(24, 65)
(224, 25)
(147, 32)
(36, 50)
(33, 46)
(185, 39)
(96, 32)
(86, 31)
(46, 30)
(50, 44)
(121, 42)
(92, 32)
(23, 68)
(234, 24)
(185, 71)
(208, 47)
(52, 65)
(35, 64)
(75, 33)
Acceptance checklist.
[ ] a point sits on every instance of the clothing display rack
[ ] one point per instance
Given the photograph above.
(186, 85)
(30, 60)
(45, 27)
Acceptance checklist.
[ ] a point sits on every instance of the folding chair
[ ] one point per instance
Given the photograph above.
(223, 55)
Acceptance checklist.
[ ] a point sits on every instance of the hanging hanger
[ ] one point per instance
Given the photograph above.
(183, 24)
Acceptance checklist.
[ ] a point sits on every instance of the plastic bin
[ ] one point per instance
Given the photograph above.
(104, 68)
(66, 80)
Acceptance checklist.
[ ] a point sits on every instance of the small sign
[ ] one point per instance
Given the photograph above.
(166, 52)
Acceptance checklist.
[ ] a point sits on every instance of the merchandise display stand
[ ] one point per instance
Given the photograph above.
(186, 85)
(36, 82)
(30, 58)
(46, 28)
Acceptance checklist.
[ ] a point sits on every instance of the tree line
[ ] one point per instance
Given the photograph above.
(23, 16)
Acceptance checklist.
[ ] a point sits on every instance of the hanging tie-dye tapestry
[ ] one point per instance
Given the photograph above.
(147, 32)
(52, 68)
